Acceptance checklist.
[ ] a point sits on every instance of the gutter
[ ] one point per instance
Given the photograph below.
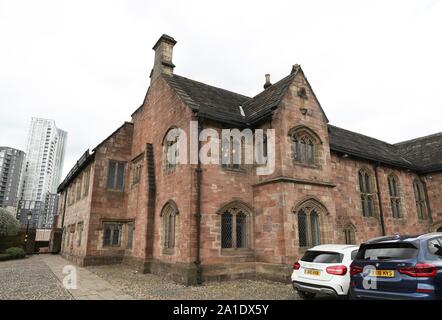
(381, 210)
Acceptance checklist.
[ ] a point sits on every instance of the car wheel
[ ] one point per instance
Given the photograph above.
(306, 295)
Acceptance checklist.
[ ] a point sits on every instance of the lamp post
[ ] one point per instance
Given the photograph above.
(28, 217)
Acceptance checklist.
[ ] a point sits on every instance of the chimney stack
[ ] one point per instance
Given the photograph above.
(163, 57)
(267, 84)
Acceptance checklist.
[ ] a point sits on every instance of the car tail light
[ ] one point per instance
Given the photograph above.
(420, 270)
(354, 270)
(296, 266)
(337, 270)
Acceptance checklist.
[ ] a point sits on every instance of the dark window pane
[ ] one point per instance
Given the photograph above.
(226, 230)
(241, 230)
(314, 222)
(302, 152)
(311, 153)
(116, 236)
(107, 235)
(361, 182)
(370, 206)
(111, 174)
(120, 176)
(302, 229)
(170, 230)
(295, 149)
(367, 183)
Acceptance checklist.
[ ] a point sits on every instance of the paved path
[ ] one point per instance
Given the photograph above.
(89, 285)
(41, 277)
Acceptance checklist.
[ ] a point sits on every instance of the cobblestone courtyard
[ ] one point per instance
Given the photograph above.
(40, 277)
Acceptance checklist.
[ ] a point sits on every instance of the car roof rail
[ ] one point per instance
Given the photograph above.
(391, 237)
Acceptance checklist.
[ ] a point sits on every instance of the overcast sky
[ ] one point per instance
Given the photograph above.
(375, 66)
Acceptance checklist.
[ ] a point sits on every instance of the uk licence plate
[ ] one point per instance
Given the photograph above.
(382, 273)
(312, 272)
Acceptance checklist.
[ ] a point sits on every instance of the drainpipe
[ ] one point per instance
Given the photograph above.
(64, 207)
(198, 172)
(381, 210)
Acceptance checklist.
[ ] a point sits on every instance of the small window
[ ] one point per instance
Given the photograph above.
(136, 171)
(231, 153)
(115, 177)
(309, 232)
(168, 214)
(367, 193)
(303, 148)
(112, 234)
(350, 234)
(420, 199)
(86, 177)
(395, 200)
(79, 233)
(235, 229)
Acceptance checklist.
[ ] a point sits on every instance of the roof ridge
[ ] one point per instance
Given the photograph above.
(433, 135)
(364, 135)
(218, 88)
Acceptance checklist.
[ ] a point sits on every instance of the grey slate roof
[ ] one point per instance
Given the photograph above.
(425, 151)
(422, 154)
(359, 145)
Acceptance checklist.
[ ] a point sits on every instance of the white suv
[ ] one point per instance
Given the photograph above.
(324, 269)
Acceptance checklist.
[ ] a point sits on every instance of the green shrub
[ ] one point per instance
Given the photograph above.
(15, 252)
(9, 226)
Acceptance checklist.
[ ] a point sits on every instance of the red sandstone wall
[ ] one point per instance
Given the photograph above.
(161, 110)
(348, 204)
(109, 204)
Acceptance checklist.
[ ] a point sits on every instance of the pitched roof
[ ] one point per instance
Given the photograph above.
(422, 154)
(359, 145)
(210, 102)
(425, 151)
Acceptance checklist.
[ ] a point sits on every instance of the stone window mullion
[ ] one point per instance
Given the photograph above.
(234, 243)
(308, 227)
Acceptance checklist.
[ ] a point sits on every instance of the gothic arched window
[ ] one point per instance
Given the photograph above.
(168, 215)
(304, 145)
(235, 227)
(170, 150)
(420, 199)
(395, 199)
(309, 225)
(350, 234)
(367, 193)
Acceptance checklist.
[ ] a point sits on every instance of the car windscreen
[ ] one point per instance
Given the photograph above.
(322, 257)
(387, 251)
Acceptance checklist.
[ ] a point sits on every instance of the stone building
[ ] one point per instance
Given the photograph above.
(123, 202)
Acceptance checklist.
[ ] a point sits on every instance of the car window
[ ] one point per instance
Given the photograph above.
(387, 251)
(322, 257)
(435, 246)
(353, 254)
